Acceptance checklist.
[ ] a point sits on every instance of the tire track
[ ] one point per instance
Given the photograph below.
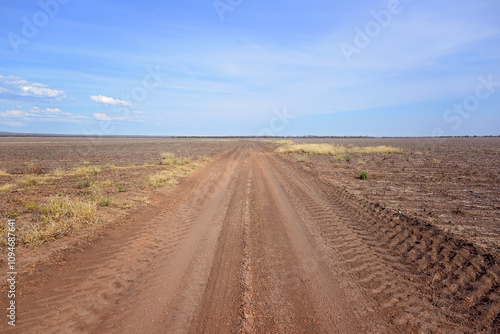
(427, 279)
(128, 255)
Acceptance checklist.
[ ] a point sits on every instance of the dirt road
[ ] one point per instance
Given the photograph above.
(252, 243)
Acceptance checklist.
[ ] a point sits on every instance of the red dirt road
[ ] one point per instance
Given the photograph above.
(250, 243)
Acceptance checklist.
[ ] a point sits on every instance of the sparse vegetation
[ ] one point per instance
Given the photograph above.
(32, 206)
(170, 159)
(71, 209)
(101, 184)
(330, 149)
(168, 178)
(58, 173)
(347, 158)
(85, 183)
(282, 142)
(11, 215)
(87, 170)
(141, 200)
(105, 201)
(34, 169)
(7, 187)
(59, 216)
(363, 176)
(376, 150)
(318, 149)
(162, 179)
(32, 180)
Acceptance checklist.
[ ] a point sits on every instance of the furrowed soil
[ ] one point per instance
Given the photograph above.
(257, 242)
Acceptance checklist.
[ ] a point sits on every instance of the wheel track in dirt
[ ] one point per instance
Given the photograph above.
(253, 243)
(125, 266)
(436, 273)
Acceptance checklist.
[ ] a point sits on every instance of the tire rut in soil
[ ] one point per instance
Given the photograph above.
(425, 278)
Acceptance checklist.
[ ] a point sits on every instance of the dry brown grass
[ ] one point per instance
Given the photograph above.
(58, 173)
(376, 150)
(169, 178)
(86, 170)
(330, 149)
(319, 149)
(170, 159)
(64, 213)
(281, 142)
(7, 187)
(141, 200)
(109, 166)
(59, 216)
(162, 179)
(33, 180)
(34, 168)
(101, 184)
(3, 173)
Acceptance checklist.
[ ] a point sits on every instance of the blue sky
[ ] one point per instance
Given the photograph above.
(241, 67)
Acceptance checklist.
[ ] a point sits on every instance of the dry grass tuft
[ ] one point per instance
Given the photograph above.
(319, 149)
(34, 169)
(281, 142)
(162, 179)
(128, 167)
(141, 200)
(376, 150)
(87, 170)
(168, 178)
(101, 184)
(7, 187)
(59, 216)
(3, 173)
(330, 149)
(170, 159)
(58, 173)
(33, 180)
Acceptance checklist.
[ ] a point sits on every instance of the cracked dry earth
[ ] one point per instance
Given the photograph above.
(250, 243)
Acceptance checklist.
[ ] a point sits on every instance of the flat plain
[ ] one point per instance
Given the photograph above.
(222, 236)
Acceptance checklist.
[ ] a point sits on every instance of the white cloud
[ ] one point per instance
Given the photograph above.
(105, 117)
(21, 117)
(41, 91)
(15, 88)
(11, 123)
(108, 100)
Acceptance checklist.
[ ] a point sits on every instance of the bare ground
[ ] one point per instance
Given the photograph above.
(252, 242)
